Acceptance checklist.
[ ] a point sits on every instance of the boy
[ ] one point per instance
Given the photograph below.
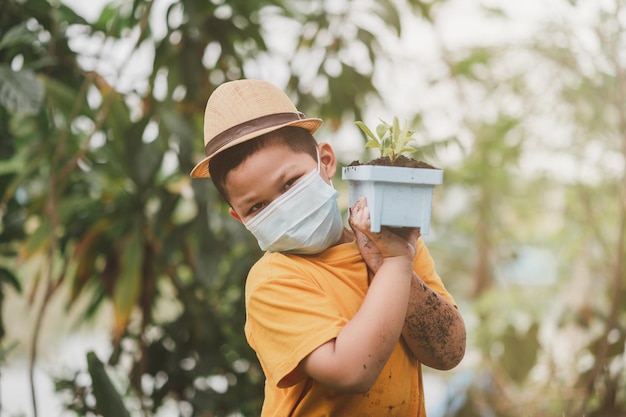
(340, 319)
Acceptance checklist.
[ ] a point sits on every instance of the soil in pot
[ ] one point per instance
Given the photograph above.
(400, 161)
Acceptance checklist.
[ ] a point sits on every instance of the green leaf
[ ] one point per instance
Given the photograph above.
(39, 239)
(60, 94)
(382, 129)
(521, 351)
(20, 91)
(109, 403)
(423, 8)
(495, 12)
(128, 284)
(5, 351)
(372, 143)
(67, 14)
(17, 35)
(109, 20)
(390, 15)
(395, 132)
(387, 145)
(148, 161)
(369, 41)
(176, 124)
(15, 164)
(478, 57)
(393, 140)
(6, 275)
(366, 129)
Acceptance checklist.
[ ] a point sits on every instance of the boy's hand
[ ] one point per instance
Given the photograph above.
(370, 253)
(390, 242)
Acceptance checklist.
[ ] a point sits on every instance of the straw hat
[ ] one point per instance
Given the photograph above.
(241, 110)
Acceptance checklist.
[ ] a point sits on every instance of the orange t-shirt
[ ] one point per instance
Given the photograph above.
(296, 303)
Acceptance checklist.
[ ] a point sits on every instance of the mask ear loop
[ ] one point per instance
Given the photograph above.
(317, 151)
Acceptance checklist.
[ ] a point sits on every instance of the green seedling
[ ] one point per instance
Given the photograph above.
(390, 139)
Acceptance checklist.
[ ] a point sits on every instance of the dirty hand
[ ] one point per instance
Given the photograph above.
(374, 247)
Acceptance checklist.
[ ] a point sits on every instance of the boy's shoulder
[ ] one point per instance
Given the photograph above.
(276, 265)
(277, 262)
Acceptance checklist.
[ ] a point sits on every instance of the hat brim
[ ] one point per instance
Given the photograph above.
(201, 170)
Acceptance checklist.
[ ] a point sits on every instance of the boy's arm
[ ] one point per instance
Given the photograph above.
(353, 360)
(433, 329)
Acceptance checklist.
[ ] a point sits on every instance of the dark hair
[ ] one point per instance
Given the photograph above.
(296, 138)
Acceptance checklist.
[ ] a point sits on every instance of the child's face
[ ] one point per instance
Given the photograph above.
(270, 172)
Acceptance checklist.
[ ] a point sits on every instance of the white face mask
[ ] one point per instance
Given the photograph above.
(304, 220)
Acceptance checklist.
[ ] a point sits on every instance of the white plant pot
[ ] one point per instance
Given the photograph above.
(396, 196)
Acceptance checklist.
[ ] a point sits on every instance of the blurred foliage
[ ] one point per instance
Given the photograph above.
(95, 196)
(94, 178)
(109, 403)
(549, 336)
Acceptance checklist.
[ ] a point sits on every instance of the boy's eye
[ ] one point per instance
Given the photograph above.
(256, 207)
(291, 182)
(260, 206)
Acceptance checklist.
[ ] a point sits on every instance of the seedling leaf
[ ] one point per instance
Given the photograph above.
(390, 138)
(366, 130)
(372, 143)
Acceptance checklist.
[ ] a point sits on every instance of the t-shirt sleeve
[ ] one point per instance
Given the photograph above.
(289, 317)
(424, 267)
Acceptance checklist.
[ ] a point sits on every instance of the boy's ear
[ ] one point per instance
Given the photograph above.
(328, 160)
(234, 215)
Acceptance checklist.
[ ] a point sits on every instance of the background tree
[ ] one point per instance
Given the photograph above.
(543, 177)
(95, 188)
